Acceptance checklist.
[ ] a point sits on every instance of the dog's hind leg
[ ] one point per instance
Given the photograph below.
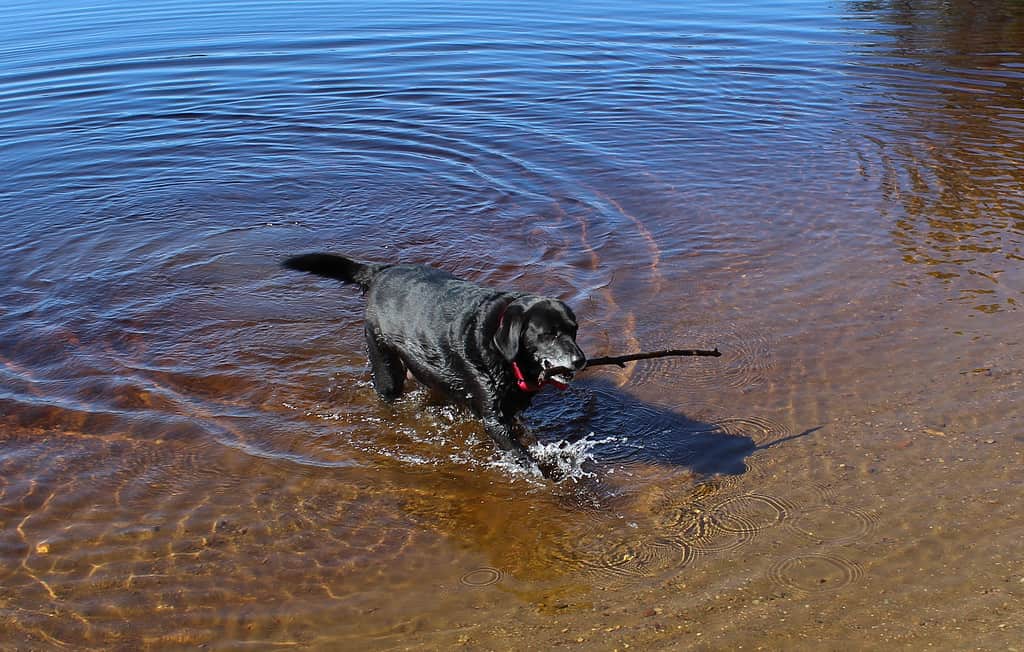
(388, 368)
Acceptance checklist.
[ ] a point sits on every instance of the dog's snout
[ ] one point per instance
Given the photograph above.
(569, 360)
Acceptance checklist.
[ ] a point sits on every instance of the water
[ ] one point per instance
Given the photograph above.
(830, 192)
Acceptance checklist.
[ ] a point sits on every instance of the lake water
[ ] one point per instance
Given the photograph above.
(830, 192)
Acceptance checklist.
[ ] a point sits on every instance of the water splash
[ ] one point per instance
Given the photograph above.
(564, 460)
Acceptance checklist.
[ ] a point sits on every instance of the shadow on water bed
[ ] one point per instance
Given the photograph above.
(627, 430)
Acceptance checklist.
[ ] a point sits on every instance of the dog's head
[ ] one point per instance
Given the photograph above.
(539, 335)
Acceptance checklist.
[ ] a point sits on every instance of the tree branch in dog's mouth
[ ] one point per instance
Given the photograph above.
(621, 360)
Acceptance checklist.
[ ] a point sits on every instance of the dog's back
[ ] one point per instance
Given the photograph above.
(428, 316)
(419, 306)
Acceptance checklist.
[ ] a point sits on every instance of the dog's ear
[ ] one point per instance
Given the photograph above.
(510, 327)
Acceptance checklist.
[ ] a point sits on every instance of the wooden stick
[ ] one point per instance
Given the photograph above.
(621, 360)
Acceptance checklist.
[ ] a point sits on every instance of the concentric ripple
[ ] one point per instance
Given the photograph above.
(815, 573)
(625, 556)
(749, 513)
(694, 526)
(650, 557)
(483, 576)
(832, 524)
(763, 430)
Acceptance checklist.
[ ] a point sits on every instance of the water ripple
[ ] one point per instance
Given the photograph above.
(815, 573)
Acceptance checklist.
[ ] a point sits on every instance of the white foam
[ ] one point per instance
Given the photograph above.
(568, 458)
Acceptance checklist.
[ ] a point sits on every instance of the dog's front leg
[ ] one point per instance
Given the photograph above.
(501, 425)
(503, 434)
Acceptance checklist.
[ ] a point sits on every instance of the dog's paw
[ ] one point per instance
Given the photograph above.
(551, 470)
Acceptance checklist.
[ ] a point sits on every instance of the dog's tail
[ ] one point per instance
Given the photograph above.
(337, 267)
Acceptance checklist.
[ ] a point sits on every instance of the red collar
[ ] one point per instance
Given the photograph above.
(529, 387)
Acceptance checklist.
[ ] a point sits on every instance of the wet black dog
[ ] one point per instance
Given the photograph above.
(484, 348)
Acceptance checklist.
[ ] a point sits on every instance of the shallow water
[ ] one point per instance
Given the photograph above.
(831, 193)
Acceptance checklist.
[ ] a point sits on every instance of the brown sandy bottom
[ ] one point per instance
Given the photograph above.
(844, 557)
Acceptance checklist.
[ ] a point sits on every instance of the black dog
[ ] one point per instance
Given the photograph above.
(487, 349)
